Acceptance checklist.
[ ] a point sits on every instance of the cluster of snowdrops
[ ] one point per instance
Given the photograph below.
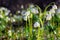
(38, 25)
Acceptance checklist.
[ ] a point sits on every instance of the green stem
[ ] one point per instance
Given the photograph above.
(30, 29)
(48, 7)
(38, 36)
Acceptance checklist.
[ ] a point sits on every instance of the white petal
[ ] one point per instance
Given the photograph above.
(25, 18)
(36, 24)
(34, 10)
(52, 11)
(54, 7)
(31, 5)
(18, 11)
(22, 6)
(9, 32)
(1, 16)
(48, 17)
(27, 13)
(23, 13)
(58, 10)
(13, 20)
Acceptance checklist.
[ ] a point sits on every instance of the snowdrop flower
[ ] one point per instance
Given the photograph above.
(54, 7)
(18, 11)
(36, 24)
(7, 19)
(22, 6)
(13, 20)
(5, 10)
(58, 10)
(52, 11)
(10, 32)
(55, 32)
(31, 6)
(25, 18)
(15, 16)
(48, 17)
(1, 16)
(18, 17)
(25, 13)
(2, 8)
(34, 10)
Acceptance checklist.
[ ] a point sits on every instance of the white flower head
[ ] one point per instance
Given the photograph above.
(10, 32)
(52, 11)
(7, 19)
(13, 20)
(31, 5)
(5, 10)
(1, 16)
(48, 17)
(22, 6)
(18, 17)
(25, 18)
(55, 32)
(18, 11)
(36, 24)
(58, 10)
(54, 7)
(34, 10)
(25, 13)
(2, 8)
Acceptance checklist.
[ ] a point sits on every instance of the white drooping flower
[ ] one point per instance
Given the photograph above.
(9, 32)
(0, 22)
(58, 10)
(5, 10)
(18, 11)
(18, 17)
(24, 18)
(7, 19)
(1, 16)
(54, 7)
(55, 32)
(34, 10)
(36, 24)
(31, 5)
(48, 17)
(52, 11)
(13, 19)
(25, 13)
(22, 6)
